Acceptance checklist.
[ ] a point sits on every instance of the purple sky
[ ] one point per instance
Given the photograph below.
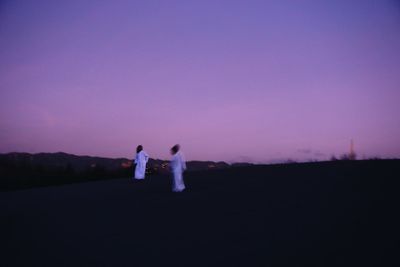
(228, 80)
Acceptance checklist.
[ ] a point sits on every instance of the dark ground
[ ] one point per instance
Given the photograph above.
(340, 213)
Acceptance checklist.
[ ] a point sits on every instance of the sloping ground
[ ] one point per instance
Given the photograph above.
(319, 214)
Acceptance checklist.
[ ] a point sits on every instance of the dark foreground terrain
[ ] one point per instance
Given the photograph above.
(340, 213)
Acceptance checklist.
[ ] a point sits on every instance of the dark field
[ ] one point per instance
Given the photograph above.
(341, 213)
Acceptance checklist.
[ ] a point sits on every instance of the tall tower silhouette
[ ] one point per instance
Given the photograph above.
(352, 154)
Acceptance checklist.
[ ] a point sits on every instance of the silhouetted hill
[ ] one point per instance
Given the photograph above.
(24, 170)
(60, 161)
(21, 170)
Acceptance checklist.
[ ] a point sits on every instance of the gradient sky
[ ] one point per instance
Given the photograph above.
(255, 81)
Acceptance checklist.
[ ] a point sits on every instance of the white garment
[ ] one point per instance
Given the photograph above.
(140, 161)
(178, 165)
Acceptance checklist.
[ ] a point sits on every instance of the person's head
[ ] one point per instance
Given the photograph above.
(174, 149)
(139, 148)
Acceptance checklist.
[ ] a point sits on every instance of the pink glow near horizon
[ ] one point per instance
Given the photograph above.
(255, 81)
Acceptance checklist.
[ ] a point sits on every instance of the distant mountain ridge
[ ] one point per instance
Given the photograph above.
(75, 163)
(24, 170)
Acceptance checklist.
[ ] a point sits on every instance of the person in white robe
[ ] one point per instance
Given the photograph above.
(178, 166)
(141, 160)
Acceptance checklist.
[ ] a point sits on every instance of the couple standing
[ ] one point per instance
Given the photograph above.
(177, 166)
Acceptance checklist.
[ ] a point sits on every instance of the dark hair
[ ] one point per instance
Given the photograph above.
(175, 149)
(139, 148)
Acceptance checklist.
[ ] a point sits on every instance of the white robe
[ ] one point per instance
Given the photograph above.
(178, 165)
(141, 161)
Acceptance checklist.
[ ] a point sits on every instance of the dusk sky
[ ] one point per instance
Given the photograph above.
(258, 81)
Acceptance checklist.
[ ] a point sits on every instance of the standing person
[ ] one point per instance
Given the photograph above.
(178, 165)
(140, 161)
